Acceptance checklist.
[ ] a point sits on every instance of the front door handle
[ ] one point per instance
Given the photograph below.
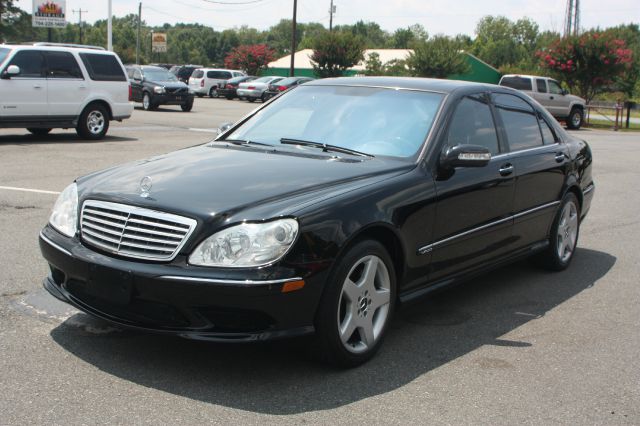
(551, 97)
(560, 157)
(506, 169)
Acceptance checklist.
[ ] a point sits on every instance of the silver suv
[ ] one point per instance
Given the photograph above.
(45, 86)
(550, 95)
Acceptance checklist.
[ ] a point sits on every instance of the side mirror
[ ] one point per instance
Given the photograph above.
(465, 156)
(565, 92)
(223, 128)
(11, 71)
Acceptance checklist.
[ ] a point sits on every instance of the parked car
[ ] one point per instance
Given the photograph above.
(206, 81)
(155, 86)
(256, 89)
(551, 95)
(45, 86)
(167, 66)
(228, 89)
(183, 72)
(370, 191)
(283, 85)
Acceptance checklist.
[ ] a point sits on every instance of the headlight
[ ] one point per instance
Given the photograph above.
(247, 245)
(64, 216)
(158, 89)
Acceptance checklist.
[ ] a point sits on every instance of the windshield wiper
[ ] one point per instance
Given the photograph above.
(325, 147)
(243, 142)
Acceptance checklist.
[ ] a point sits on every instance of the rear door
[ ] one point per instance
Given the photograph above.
(473, 219)
(68, 89)
(540, 161)
(25, 95)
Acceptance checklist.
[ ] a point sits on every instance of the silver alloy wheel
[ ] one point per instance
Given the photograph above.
(146, 101)
(213, 93)
(576, 119)
(95, 122)
(567, 231)
(364, 304)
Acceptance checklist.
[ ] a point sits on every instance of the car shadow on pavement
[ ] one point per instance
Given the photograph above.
(56, 138)
(274, 378)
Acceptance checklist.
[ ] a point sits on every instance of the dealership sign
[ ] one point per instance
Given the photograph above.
(49, 14)
(159, 42)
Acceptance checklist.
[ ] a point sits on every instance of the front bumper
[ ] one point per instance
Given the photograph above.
(172, 99)
(227, 92)
(177, 298)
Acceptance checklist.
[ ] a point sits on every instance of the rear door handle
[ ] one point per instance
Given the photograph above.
(560, 157)
(506, 169)
(37, 86)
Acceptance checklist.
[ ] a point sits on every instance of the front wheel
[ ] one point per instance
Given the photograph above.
(36, 131)
(574, 121)
(187, 107)
(94, 122)
(356, 307)
(564, 235)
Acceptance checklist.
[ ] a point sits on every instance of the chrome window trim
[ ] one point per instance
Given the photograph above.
(54, 245)
(510, 153)
(428, 248)
(229, 282)
(125, 208)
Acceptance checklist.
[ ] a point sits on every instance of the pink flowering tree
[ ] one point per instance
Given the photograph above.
(589, 64)
(250, 58)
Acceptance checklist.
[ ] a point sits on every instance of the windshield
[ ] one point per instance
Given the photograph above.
(375, 121)
(158, 74)
(264, 79)
(3, 54)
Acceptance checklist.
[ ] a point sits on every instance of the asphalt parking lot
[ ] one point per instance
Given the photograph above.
(518, 345)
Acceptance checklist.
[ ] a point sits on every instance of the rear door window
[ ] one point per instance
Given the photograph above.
(472, 124)
(62, 65)
(31, 63)
(103, 67)
(520, 83)
(541, 85)
(520, 122)
(197, 74)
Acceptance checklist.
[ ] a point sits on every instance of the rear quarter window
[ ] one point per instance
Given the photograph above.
(219, 75)
(519, 83)
(197, 74)
(103, 67)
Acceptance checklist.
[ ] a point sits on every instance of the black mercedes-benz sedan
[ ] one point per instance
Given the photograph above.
(320, 212)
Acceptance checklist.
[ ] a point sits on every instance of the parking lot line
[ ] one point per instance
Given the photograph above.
(39, 191)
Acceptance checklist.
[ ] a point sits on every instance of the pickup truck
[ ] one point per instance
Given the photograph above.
(549, 94)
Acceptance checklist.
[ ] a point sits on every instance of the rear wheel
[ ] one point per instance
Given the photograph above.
(200, 95)
(251, 99)
(356, 306)
(229, 98)
(38, 131)
(94, 122)
(563, 240)
(213, 92)
(574, 121)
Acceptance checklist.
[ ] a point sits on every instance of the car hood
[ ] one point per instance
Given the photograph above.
(170, 84)
(235, 182)
(576, 99)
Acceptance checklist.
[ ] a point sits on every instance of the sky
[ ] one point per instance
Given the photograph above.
(438, 17)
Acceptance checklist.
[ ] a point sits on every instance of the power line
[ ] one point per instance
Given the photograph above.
(233, 3)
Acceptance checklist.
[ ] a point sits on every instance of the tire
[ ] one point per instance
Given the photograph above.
(251, 99)
(213, 92)
(263, 97)
(563, 240)
(147, 102)
(200, 95)
(187, 107)
(574, 121)
(356, 306)
(229, 98)
(38, 131)
(94, 122)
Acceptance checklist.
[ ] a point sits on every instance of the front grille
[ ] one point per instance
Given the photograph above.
(177, 91)
(134, 231)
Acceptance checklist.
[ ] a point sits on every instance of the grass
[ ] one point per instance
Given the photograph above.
(608, 125)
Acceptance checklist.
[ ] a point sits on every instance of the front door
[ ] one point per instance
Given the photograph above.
(473, 219)
(24, 97)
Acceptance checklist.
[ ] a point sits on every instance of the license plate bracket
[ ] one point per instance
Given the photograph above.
(109, 284)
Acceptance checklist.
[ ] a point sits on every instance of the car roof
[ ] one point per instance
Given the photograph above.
(411, 83)
(527, 76)
(58, 48)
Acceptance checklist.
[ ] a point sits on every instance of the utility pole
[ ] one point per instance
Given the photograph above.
(332, 10)
(110, 29)
(293, 38)
(138, 37)
(79, 12)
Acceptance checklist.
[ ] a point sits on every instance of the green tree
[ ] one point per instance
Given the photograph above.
(438, 57)
(370, 33)
(501, 42)
(9, 14)
(590, 63)
(336, 52)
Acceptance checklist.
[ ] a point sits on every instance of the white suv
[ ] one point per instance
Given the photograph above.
(205, 81)
(45, 86)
